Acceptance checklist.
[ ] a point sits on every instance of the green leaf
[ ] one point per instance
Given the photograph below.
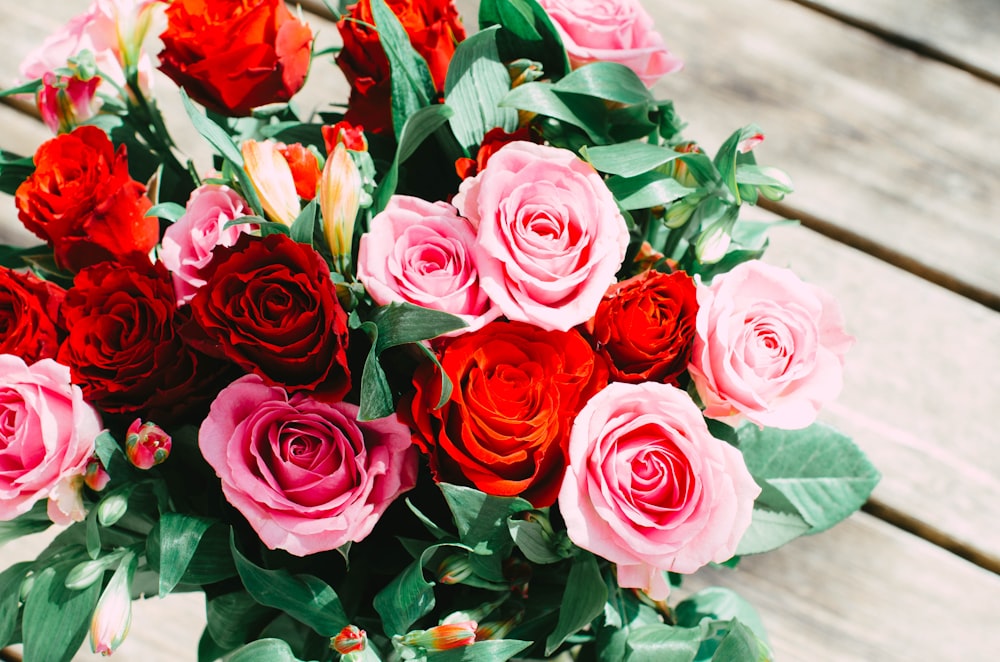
(304, 226)
(14, 170)
(264, 650)
(481, 521)
(56, 618)
(649, 189)
(93, 534)
(179, 538)
(719, 604)
(105, 447)
(533, 541)
(623, 614)
(31, 87)
(816, 472)
(588, 114)
(417, 129)
(393, 325)
(212, 560)
(14, 257)
(412, 85)
(629, 159)
(606, 80)
(583, 600)
(656, 643)
(10, 599)
(769, 530)
(476, 83)
(304, 597)
(527, 33)
(496, 650)
(33, 521)
(232, 619)
(168, 210)
(741, 645)
(728, 155)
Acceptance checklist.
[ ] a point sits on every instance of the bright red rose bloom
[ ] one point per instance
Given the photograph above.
(29, 310)
(434, 28)
(235, 55)
(644, 327)
(82, 201)
(517, 389)
(270, 307)
(123, 346)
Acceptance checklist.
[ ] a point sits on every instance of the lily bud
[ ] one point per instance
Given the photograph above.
(713, 243)
(146, 444)
(339, 201)
(113, 615)
(96, 476)
(272, 178)
(65, 102)
(442, 637)
(454, 569)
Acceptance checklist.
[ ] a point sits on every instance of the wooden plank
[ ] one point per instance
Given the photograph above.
(964, 33)
(895, 148)
(866, 591)
(920, 389)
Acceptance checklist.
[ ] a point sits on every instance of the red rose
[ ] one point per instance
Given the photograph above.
(270, 307)
(434, 28)
(517, 389)
(644, 327)
(492, 142)
(29, 308)
(123, 346)
(235, 55)
(82, 201)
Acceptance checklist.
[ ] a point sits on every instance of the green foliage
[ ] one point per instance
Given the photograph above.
(527, 32)
(55, 618)
(477, 81)
(582, 601)
(179, 537)
(497, 650)
(417, 128)
(482, 525)
(10, 597)
(716, 603)
(815, 473)
(264, 650)
(14, 170)
(33, 521)
(656, 643)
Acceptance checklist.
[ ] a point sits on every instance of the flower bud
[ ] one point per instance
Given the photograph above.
(679, 168)
(344, 133)
(454, 569)
(442, 637)
(498, 629)
(305, 169)
(351, 639)
(273, 180)
(96, 476)
(65, 102)
(113, 615)
(713, 243)
(146, 444)
(339, 201)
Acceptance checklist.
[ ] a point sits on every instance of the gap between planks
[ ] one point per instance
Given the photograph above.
(917, 46)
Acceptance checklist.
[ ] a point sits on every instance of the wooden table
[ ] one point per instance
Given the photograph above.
(887, 115)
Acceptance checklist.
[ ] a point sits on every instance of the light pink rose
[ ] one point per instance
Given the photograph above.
(187, 244)
(47, 435)
(422, 253)
(550, 237)
(613, 31)
(768, 347)
(306, 474)
(650, 489)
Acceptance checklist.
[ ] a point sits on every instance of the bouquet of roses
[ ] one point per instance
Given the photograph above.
(476, 366)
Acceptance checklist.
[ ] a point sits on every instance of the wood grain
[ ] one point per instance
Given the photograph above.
(962, 33)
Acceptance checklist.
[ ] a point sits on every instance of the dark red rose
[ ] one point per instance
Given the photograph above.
(270, 307)
(123, 346)
(434, 28)
(644, 327)
(517, 389)
(82, 201)
(492, 141)
(29, 310)
(235, 55)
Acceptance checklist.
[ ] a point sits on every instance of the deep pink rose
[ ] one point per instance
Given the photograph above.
(550, 237)
(612, 31)
(650, 489)
(768, 347)
(307, 475)
(422, 253)
(187, 244)
(47, 435)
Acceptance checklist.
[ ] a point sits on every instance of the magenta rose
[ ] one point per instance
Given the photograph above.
(306, 474)
(187, 244)
(47, 434)
(612, 31)
(421, 252)
(768, 347)
(650, 489)
(550, 237)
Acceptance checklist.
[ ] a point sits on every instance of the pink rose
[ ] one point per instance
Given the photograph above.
(769, 347)
(47, 435)
(306, 474)
(423, 253)
(614, 31)
(650, 489)
(187, 244)
(550, 236)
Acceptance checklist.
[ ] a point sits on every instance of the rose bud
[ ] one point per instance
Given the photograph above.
(442, 637)
(146, 444)
(96, 476)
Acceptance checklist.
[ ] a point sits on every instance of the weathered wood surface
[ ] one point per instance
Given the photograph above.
(893, 148)
(965, 33)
